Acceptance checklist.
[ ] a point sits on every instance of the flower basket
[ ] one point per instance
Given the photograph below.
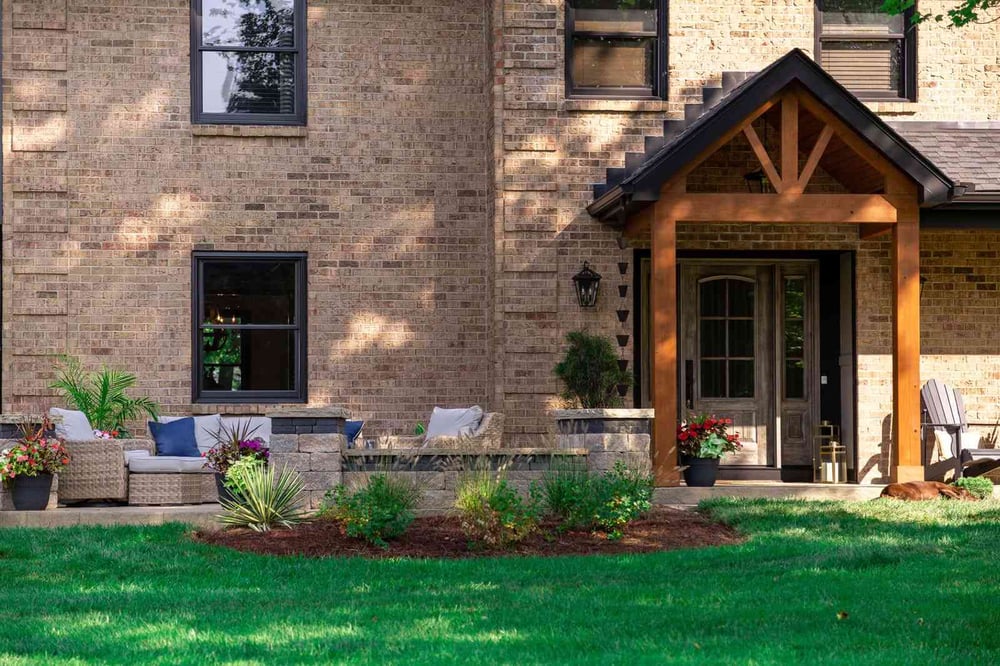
(701, 442)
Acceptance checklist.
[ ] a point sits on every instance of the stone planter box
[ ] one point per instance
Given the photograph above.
(608, 435)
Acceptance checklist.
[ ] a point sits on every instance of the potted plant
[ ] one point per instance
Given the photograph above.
(233, 445)
(101, 396)
(28, 466)
(701, 442)
(595, 382)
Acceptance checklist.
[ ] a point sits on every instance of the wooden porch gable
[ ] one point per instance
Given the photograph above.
(893, 209)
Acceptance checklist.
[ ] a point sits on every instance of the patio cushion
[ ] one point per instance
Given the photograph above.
(74, 427)
(205, 429)
(136, 453)
(168, 465)
(175, 438)
(351, 431)
(453, 422)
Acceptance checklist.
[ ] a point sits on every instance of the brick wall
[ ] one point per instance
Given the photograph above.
(108, 188)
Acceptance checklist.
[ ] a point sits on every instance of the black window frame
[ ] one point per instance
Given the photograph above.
(298, 50)
(909, 41)
(297, 395)
(659, 87)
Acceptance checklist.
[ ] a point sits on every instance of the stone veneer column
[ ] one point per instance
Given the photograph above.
(608, 435)
(310, 440)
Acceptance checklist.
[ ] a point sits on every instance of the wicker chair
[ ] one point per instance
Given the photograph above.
(488, 437)
(97, 469)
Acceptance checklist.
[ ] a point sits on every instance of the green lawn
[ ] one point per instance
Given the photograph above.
(920, 584)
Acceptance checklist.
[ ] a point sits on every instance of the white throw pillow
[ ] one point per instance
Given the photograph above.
(453, 422)
(74, 426)
(205, 429)
(260, 425)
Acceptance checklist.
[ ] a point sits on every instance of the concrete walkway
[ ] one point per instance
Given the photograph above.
(683, 496)
(199, 515)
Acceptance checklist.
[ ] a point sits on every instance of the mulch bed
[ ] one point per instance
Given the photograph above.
(442, 537)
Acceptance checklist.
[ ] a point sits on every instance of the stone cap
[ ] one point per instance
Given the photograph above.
(453, 453)
(17, 419)
(330, 412)
(582, 414)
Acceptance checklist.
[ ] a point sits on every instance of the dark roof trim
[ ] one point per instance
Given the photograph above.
(642, 186)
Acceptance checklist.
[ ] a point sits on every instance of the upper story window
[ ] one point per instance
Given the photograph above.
(248, 62)
(249, 338)
(869, 52)
(616, 48)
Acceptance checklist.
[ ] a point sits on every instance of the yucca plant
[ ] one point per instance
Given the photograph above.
(265, 500)
(101, 395)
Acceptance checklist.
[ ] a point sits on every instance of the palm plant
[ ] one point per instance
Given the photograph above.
(101, 395)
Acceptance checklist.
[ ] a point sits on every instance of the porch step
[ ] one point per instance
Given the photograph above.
(685, 496)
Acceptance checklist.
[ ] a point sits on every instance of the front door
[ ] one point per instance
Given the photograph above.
(747, 335)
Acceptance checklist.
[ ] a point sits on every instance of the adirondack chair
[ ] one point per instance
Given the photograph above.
(945, 415)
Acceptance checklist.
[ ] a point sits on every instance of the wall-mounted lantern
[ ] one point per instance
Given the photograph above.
(587, 283)
(757, 182)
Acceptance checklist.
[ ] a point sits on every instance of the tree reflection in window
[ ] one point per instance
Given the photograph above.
(794, 320)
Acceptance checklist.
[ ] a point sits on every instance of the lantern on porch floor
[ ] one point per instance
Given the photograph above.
(829, 455)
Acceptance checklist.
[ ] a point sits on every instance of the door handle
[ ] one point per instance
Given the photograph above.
(689, 384)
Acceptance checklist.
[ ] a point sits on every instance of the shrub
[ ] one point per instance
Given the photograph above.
(380, 510)
(591, 373)
(492, 512)
(101, 396)
(607, 502)
(265, 500)
(979, 487)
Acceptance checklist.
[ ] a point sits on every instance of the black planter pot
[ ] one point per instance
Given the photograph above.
(220, 485)
(700, 472)
(31, 493)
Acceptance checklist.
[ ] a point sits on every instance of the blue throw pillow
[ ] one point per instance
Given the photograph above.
(175, 438)
(351, 430)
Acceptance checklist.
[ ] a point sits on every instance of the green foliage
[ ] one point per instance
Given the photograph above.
(590, 371)
(235, 478)
(978, 486)
(963, 13)
(266, 500)
(101, 395)
(492, 512)
(380, 510)
(607, 502)
(419, 429)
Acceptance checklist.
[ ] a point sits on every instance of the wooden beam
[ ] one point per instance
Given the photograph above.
(764, 158)
(848, 135)
(906, 346)
(822, 141)
(783, 208)
(868, 231)
(726, 137)
(664, 306)
(789, 140)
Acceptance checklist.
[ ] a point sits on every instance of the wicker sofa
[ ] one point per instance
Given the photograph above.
(97, 470)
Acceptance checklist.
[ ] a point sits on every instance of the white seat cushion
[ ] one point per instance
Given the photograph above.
(74, 426)
(205, 429)
(138, 453)
(168, 465)
(453, 422)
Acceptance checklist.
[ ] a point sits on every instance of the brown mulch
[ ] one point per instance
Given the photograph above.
(442, 537)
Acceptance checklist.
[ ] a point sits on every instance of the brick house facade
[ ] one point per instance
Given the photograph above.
(440, 188)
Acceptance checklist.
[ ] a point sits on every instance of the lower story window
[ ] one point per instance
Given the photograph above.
(249, 338)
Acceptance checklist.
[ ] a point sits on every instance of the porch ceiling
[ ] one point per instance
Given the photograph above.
(632, 189)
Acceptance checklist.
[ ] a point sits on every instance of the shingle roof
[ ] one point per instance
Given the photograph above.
(968, 152)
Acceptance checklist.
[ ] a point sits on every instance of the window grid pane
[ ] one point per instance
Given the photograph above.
(727, 338)
(794, 338)
(613, 47)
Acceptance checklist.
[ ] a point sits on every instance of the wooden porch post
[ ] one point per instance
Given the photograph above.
(664, 379)
(906, 345)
